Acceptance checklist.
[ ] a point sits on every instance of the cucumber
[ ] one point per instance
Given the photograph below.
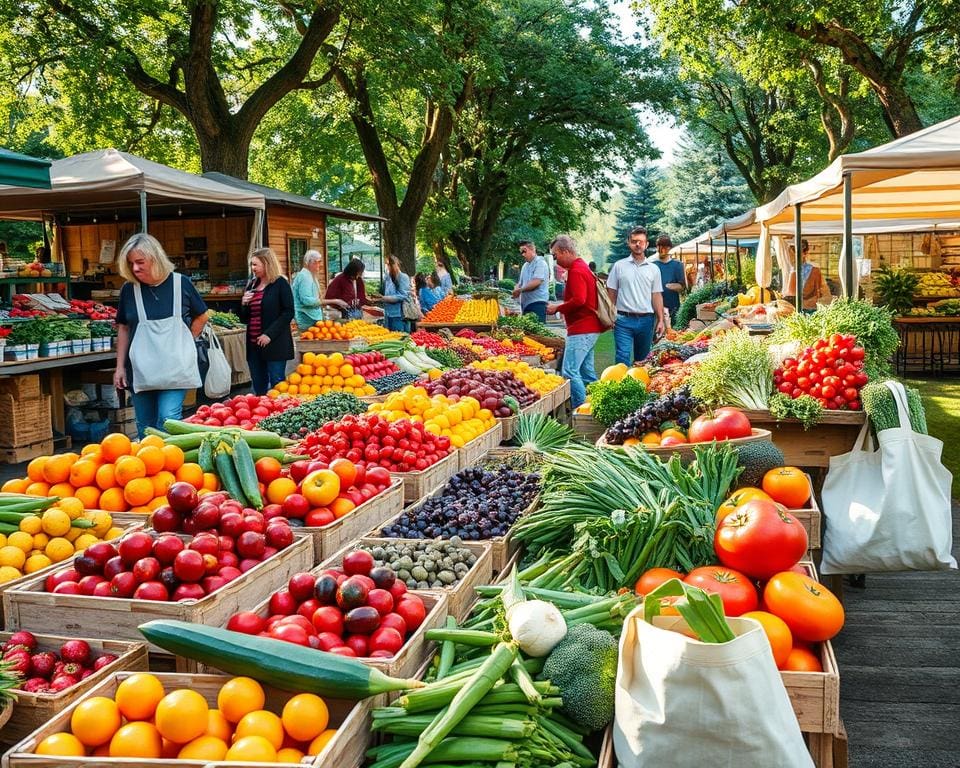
(228, 474)
(192, 456)
(185, 442)
(205, 456)
(277, 663)
(247, 473)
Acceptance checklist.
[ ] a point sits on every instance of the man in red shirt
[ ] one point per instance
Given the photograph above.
(579, 310)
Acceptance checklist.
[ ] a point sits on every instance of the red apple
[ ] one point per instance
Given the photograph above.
(295, 505)
(299, 470)
(228, 559)
(205, 544)
(212, 583)
(188, 565)
(253, 523)
(167, 547)
(271, 511)
(103, 589)
(114, 566)
(151, 590)
(67, 588)
(146, 569)
(229, 573)
(206, 516)
(123, 584)
(247, 563)
(89, 583)
(283, 603)
(100, 553)
(251, 544)
(279, 535)
(165, 519)
(231, 524)
(182, 497)
(67, 574)
(135, 545)
(188, 592)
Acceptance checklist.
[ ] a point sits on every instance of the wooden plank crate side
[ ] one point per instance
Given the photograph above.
(30, 606)
(351, 719)
(477, 448)
(35, 709)
(417, 485)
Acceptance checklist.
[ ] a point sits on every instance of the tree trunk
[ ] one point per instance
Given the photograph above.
(224, 153)
(899, 111)
(400, 240)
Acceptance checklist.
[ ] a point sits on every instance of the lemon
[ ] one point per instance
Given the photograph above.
(103, 523)
(55, 522)
(84, 541)
(14, 557)
(72, 506)
(58, 549)
(40, 540)
(8, 573)
(31, 525)
(35, 563)
(22, 541)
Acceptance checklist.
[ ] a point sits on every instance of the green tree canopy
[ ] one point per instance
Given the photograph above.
(642, 207)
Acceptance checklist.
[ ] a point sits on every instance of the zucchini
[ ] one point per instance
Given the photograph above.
(277, 663)
(192, 456)
(7, 528)
(247, 473)
(205, 455)
(176, 427)
(228, 474)
(185, 442)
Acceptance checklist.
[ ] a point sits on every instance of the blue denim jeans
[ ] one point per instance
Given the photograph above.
(156, 406)
(633, 337)
(264, 374)
(398, 324)
(538, 308)
(578, 365)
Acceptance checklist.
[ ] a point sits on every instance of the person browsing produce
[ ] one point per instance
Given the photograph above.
(635, 287)
(159, 317)
(445, 285)
(579, 310)
(307, 304)
(347, 291)
(813, 286)
(672, 277)
(426, 292)
(396, 290)
(267, 309)
(532, 289)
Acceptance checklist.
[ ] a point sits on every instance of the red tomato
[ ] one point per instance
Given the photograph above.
(328, 618)
(291, 633)
(317, 518)
(760, 539)
(378, 476)
(268, 469)
(722, 424)
(411, 610)
(735, 589)
(653, 578)
(247, 622)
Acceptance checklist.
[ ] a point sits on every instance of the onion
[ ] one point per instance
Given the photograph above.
(537, 626)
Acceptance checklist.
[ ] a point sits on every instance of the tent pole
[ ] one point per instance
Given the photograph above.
(711, 259)
(736, 244)
(143, 210)
(380, 246)
(798, 257)
(848, 261)
(726, 256)
(340, 244)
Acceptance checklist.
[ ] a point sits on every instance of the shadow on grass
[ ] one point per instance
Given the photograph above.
(941, 401)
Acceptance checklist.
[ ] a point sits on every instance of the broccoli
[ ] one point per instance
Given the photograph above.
(584, 667)
(757, 458)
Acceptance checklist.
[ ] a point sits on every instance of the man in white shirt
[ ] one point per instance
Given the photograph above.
(635, 287)
(534, 276)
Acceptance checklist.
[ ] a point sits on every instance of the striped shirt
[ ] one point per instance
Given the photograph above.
(255, 323)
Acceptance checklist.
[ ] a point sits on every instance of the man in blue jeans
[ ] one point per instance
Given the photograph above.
(635, 287)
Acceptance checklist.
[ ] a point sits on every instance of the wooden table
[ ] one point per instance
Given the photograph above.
(928, 344)
(812, 448)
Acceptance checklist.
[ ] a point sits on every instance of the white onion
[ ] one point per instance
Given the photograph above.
(537, 626)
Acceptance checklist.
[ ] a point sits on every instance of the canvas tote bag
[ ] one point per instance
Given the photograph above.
(888, 509)
(687, 704)
(217, 381)
(163, 354)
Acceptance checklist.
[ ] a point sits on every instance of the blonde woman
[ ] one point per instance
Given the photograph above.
(267, 309)
(396, 289)
(159, 317)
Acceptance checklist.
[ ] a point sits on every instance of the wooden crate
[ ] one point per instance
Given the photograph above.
(811, 519)
(559, 396)
(328, 539)
(28, 605)
(828, 750)
(587, 428)
(833, 435)
(815, 696)
(417, 485)
(459, 597)
(32, 710)
(26, 452)
(345, 750)
(25, 386)
(403, 664)
(322, 347)
(477, 448)
(510, 422)
(24, 422)
(685, 450)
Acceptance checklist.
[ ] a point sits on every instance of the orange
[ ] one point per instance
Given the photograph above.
(16, 485)
(738, 498)
(787, 485)
(38, 489)
(289, 755)
(62, 745)
(777, 632)
(115, 445)
(317, 745)
(802, 660)
(181, 715)
(204, 748)
(83, 473)
(89, 496)
(35, 468)
(141, 510)
(106, 477)
(261, 723)
(211, 482)
(191, 473)
(152, 440)
(93, 450)
(57, 468)
(61, 489)
(673, 433)
(251, 749)
(341, 506)
(136, 740)
(631, 441)
(157, 502)
(129, 468)
(279, 489)
(305, 716)
(218, 725)
(240, 696)
(102, 751)
(112, 500)
(172, 457)
(651, 438)
(152, 458)
(170, 749)
(162, 481)
(95, 720)
(138, 696)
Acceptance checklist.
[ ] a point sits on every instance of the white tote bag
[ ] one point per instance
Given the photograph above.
(888, 509)
(687, 704)
(163, 354)
(219, 373)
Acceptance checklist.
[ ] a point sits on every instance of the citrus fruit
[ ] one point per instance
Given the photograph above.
(239, 696)
(55, 522)
(138, 491)
(218, 725)
(72, 506)
(152, 458)
(261, 723)
(317, 745)
(289, 755)
(251, 749)
(129, 468)
(62, 745)
(57, 468)
(181, 715)
(136, 740)
(112, 500)
(305, 716)
(13, 557)
(35, 468)
(59, 549)
(38, 562)
(114, 445)
(172, 457)
(204, 748)
(82, 473)
(95, 720)
(190, 473)
(106, 477)
(279, 489)
(138, 695)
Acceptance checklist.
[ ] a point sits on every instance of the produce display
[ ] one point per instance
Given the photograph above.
(456, 416)
(410, 359)
(881, 408)
(143, 720)
(392, 382)
(935, 285)
(527, 323)
(243, 411)
(35, 533)
(93, 310)
(611, 400)
(467, 351)
(372, 440)
(320, 374)
(475, 504)
(50, 671)
(369, 365)
(831, 371)
(671, 377)
(327, 330)
(494, 389)
(359, 610)
(422, 565)
(738, 371)
(313, 414)
(504, 347)
(537, 379)
(426, 339)
(224, 319)
(451, 309)
(648, 424)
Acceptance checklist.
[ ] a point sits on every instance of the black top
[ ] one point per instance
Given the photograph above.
(276, 311)
(158, 302)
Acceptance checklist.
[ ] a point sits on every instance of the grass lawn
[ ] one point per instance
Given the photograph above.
(604, 352)
(941, 401)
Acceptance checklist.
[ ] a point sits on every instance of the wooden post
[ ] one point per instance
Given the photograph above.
(848, 261)
(798, 257)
